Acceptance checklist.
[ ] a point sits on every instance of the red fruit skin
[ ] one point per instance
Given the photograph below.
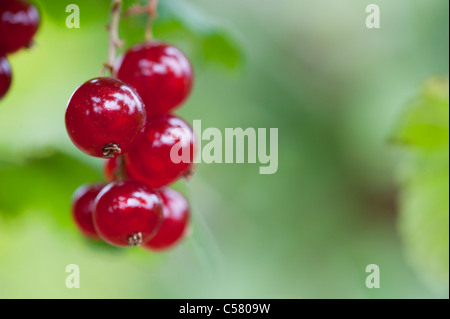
(103, 111)
(83, 209)
(111, 166)
(5, 76)
(176, 214)
(125, 208)
(161, 74)
(19, 22)
(150, 160)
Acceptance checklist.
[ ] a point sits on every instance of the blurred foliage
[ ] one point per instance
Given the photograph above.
(333, 88)
(426, 124)
(40, 183)
(180, 20)
(424, 219)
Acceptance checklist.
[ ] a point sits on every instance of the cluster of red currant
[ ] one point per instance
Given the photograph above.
(127, 119)
(19, 22)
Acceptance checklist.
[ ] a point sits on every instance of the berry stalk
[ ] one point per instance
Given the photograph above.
(152, 14)
(114, 40)
(151, 10)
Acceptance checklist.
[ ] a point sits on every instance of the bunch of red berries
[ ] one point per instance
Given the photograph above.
(19, 22)
(128, 120)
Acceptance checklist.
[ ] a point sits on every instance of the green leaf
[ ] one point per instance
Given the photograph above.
(426, 122)
(43, 183)
(178, 21)
(424, 201)
(217, 47)
(215, 41)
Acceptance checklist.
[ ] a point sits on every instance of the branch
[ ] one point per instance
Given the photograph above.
(150, 9)
(114, 40)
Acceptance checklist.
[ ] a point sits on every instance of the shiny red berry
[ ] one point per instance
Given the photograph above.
(83, 209)
(176, 214)
(19, 21)
(104, 116)
(164, 153)
(161, 74)
(5, 76)
(127, 213)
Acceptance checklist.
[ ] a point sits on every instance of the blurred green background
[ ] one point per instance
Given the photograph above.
(346, 194)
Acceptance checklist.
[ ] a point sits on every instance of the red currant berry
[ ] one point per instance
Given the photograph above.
(104, 116)
(164, 153)
(83, 209)
(161, 74)
(175, 221)
(112, 167)
(127, 213)
(19, 22)
(5, 76)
